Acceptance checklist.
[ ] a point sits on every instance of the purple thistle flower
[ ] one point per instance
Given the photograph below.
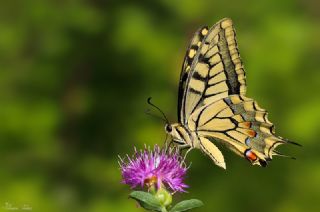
(154, 168)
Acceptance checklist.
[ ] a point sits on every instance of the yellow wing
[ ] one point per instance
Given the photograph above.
(212, 151)
(241, 124)
(212, 71)
(186, 67)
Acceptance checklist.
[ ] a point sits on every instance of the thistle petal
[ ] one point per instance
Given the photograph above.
(158, 167)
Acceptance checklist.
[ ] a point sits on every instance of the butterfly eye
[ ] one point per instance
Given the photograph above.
(168, 128)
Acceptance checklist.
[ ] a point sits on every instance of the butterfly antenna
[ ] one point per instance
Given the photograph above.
(164, 116)
(154, 116)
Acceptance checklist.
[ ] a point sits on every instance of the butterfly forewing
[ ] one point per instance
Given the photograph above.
(216, 70)
(186, 67)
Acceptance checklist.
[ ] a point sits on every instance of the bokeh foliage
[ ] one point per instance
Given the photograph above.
(75, 76)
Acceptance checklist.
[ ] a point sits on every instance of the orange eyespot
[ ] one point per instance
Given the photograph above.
(252, 133)
(250, 155)
(247, 124)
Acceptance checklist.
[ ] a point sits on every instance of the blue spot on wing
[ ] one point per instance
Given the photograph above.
(247, 141)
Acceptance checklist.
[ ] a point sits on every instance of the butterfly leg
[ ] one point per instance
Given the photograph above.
(167, 144)
(185, 155)
(182, 147)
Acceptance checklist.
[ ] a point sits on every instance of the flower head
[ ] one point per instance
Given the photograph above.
(157, 167)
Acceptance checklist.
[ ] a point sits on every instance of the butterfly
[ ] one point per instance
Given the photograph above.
(212, 106)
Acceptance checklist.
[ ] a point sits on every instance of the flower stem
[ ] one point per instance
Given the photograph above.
(163, 209)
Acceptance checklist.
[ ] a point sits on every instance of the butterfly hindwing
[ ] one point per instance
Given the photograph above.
(216, 70)
(212, 151)
(239, 123)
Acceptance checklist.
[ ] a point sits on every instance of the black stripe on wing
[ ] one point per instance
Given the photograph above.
(186, 67)
(239, 122)
(216, 71)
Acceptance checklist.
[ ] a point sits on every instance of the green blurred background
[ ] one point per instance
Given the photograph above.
(75, 76)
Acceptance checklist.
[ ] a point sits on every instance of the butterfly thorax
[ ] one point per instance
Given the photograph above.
(182, 136)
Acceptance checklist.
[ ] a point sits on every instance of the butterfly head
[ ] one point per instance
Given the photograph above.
(177, 133)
